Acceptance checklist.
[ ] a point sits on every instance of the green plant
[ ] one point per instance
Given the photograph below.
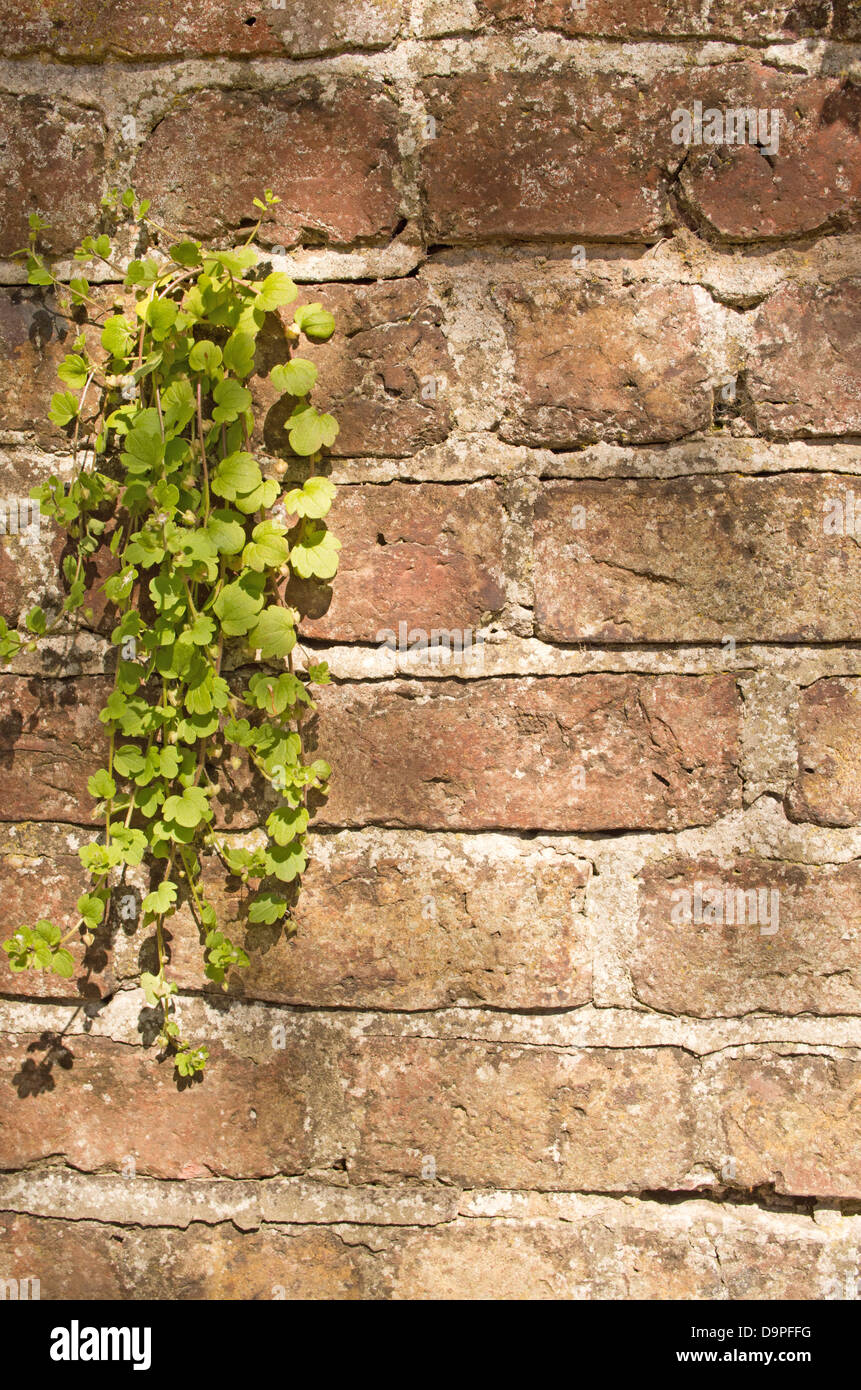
(160, 418)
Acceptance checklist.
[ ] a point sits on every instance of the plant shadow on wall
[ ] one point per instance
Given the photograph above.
(176, 528)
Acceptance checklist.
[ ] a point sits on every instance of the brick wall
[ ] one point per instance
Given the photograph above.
(600, 409)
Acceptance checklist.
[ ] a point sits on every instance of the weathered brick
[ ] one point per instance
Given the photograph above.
(67, 1095)
(386, 374)
(515, 155)
(96, 1260)
(53, 164)
(563, 753)
(175, 28)
(137, 28)
(620, 365)
(827, 789)
(46, 881)
(695, 559)
(807, 961)
(755, 20)
(811, 181)
(415, 926)
(803, 373)
(594, 1248)
(329, 151)
(51, 742)
(620, 1250)
(790, 1121)
(592, 155)
(519, 1117)
(582, 753)
(424, 554)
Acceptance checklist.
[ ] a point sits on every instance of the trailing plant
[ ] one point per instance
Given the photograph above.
(156, 403)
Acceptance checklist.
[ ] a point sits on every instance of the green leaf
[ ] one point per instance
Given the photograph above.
(205, 356)
(313, 499)
(267, 907)
(274, 634)
(238, 605)
(64, 407)
(186, 253)
(36, 621)
(275, 290)
(315, 322)
(117, 336)
(309, 431)
(160, 901)
(226, 531)
(239, 353)
(160, 315)
(231, 400)
(63, 963)
(102, 785)
(287, 823)
(235, 475)
(92, 909)
(267, 548)
(286, 862)
(74, 371)
(316, 554)
(296, 377)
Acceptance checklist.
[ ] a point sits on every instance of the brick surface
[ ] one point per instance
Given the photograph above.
(46, 880)
(158, 28)
(791, 1121)
(386, 374)
(828, 786)
(202, 1262)
(804, 375)
(755, 20)
(600, 1249)
(811, 963)
(69, 1096)
(695, 559)
(387, 927)
(328, 151)
(53, 164)
(498, 1115)
(593, 155)
(428, 555)
(584, 753)
(590, 752)
(620, 365)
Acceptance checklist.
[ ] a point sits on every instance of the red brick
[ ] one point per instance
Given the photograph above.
(46, 881)
(411, 928)
(592, 155)
(424, 554)
(804, 372)
(810, 964)
(755, 20)
(386, 374)
(694, 559)
(827, 789)
(53, 164)
(620, 365)
(791, 1122)
(168, 28)
(328, 151)
(498, 1115)
(70, 1095)
(567, 154)
(813, 181)
(99, 1260)
(602, 752)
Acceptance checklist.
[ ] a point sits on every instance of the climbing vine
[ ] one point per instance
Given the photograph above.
(160, 419)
